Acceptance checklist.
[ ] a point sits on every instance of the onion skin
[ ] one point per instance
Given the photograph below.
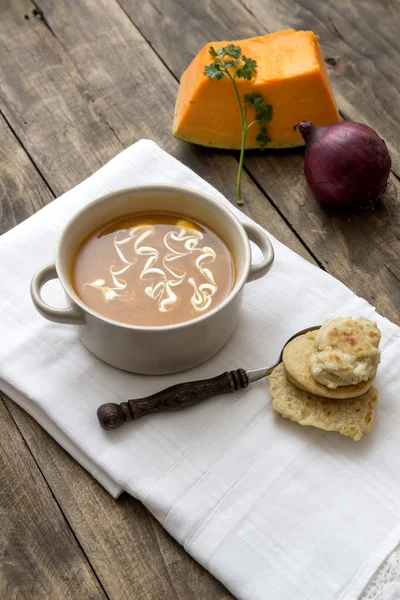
(346, 164)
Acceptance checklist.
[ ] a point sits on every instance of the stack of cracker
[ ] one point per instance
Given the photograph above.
(347, 351)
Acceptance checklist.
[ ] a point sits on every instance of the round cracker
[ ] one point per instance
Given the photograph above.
(296, 360)
(348, 416)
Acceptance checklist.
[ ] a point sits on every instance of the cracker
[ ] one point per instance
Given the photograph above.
(350, 416)
(296, 360)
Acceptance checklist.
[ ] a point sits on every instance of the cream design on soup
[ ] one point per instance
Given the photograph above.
(153, 269)
(164, 281)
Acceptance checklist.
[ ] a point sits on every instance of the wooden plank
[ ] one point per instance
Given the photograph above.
(39, 556)
(22, 190)
(72, 113)
(361, 249)
(131, 553)
(48, 103)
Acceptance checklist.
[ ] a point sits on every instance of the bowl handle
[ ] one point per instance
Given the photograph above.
(260, 238)
(72, 315)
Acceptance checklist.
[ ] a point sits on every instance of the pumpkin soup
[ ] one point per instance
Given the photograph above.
(153, 269)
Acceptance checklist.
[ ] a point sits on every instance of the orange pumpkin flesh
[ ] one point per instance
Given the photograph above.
(291, 75)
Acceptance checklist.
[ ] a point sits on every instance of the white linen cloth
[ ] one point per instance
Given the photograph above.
(274, 510)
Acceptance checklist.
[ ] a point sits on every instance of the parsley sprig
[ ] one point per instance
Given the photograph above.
(229, 62)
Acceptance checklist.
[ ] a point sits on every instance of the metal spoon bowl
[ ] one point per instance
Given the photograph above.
(183, 395)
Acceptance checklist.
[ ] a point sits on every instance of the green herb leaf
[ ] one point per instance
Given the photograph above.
(220, 68)
(248, 69)
(229, 63)
(232, 50)
(262, 136)
(214, 70)
(263, 110)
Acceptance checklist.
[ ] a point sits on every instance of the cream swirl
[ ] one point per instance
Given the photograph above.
(159, 269)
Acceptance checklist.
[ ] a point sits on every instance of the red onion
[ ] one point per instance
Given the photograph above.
(346, 164)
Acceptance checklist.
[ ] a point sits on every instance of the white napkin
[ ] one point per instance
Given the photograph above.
(272, 509)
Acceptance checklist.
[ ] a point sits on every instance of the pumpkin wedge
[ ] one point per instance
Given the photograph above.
(291, 75)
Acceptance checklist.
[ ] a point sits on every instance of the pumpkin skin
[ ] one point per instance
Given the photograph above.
(291, 75)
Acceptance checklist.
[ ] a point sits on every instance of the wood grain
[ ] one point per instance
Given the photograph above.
(22, 190)
(39, 557)
(48, 103)
(175, 397)
(361, 249)
(84, 110)
(131, 553)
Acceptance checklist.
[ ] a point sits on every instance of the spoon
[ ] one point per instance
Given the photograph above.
(182, 395)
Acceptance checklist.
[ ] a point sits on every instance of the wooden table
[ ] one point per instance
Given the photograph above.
(79, 81)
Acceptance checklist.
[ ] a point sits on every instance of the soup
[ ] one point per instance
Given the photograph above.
(153, 269)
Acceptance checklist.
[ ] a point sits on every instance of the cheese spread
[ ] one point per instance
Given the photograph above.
(345, 352)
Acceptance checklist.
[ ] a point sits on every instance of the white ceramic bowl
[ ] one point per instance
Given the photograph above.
(153, 350)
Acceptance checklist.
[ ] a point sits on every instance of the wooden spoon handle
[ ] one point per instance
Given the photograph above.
(178, 396)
